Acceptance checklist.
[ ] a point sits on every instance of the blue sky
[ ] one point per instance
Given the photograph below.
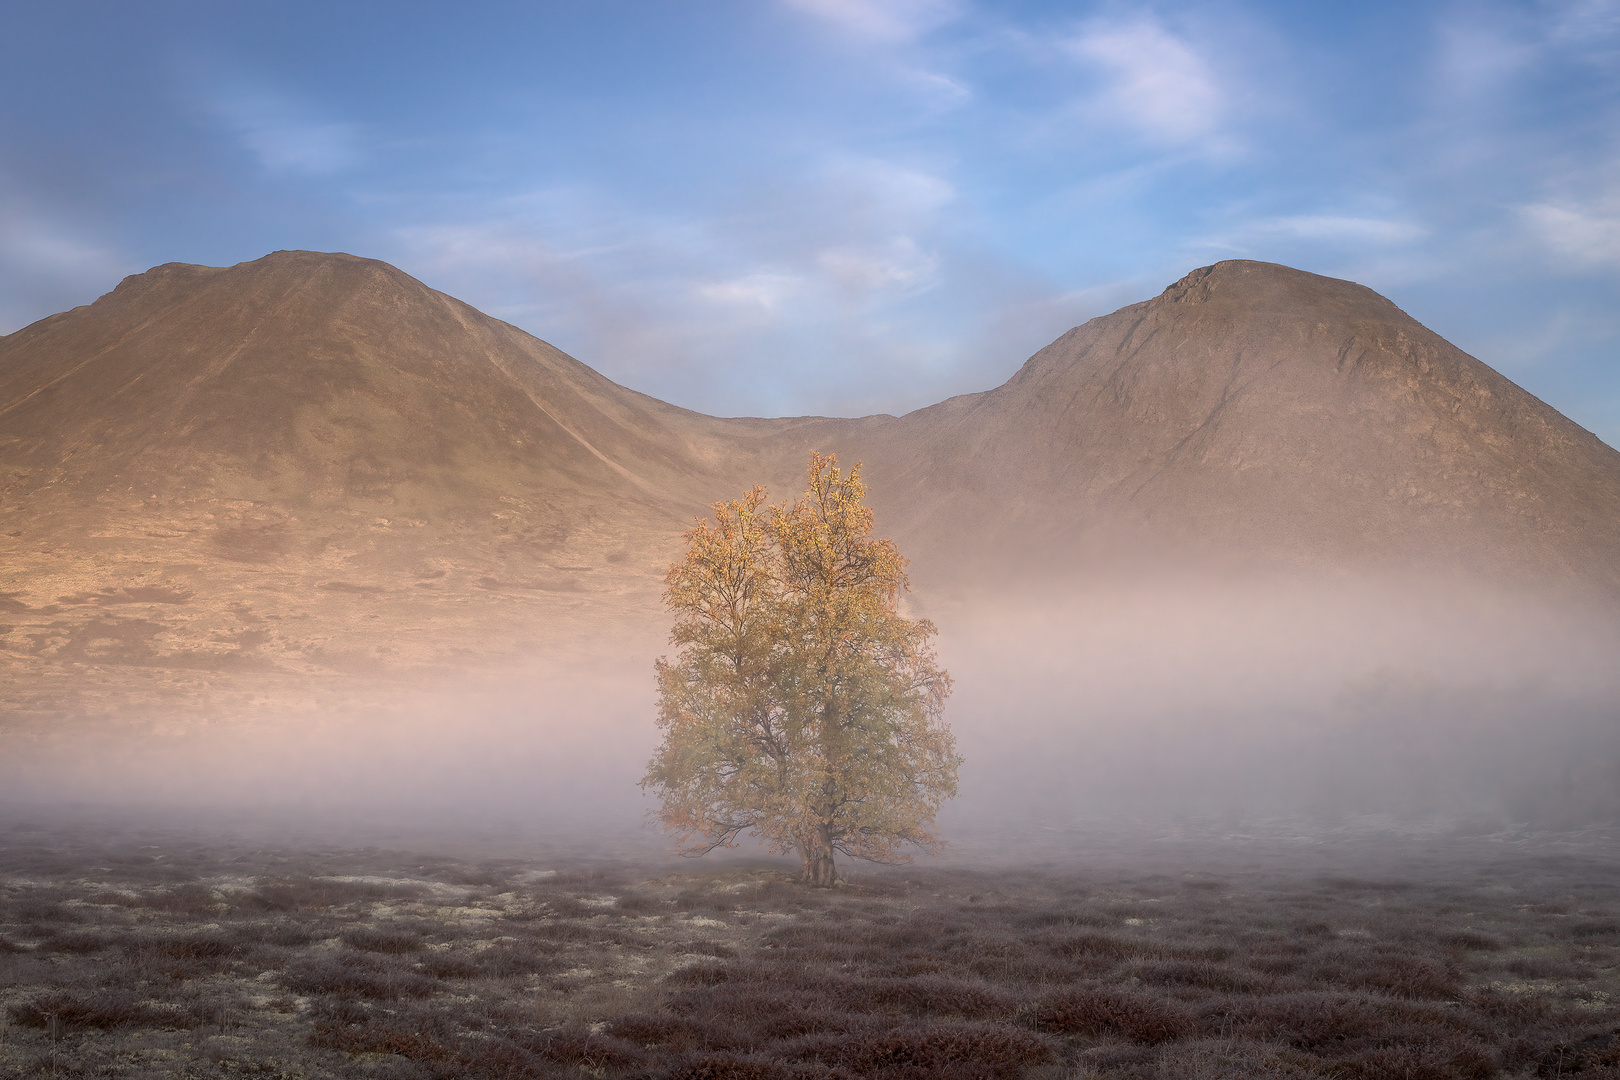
(837, 206)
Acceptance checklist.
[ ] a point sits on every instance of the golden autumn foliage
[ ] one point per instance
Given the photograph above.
(802, 705)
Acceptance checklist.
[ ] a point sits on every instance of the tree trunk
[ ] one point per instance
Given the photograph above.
(816, 857)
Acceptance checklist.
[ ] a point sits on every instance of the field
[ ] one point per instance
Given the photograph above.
(168, 957)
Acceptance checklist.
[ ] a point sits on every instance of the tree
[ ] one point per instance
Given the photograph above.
(801, 706)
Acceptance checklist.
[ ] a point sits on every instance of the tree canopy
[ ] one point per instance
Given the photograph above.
(801, 705)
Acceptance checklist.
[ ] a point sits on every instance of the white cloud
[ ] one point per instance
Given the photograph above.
(1477, 57)
(908, 190)
(451, 247)
(1584, 23)
(1333, 235)
(283, 137)
(53, 252)
(871, 194)
(1588, 235)
(881, 21)
(1345, 229)
(941, 91)
(1158, 83)
(46, 266)
(897, 266)
(766, 290)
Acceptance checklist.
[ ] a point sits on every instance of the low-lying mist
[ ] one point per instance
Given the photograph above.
(1238, 699)
(1193, 699)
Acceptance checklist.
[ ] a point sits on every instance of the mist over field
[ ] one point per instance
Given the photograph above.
(1239, 702)
(1409, 700)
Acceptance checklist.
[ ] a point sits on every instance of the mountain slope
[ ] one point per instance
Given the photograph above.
(214, 471)
(1255, 410)
(312, 466)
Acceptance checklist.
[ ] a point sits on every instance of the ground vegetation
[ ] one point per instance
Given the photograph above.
(168, 959)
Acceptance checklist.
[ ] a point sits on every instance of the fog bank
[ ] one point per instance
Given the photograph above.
(1164, 699)
(1268, 696)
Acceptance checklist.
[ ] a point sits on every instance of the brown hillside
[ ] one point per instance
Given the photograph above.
(1263, 412)
(313, 464)
(307, 467)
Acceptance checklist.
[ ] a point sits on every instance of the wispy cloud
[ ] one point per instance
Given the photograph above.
(1479, 54)
(1586, 234)
(763, 290)
(1155, 82)
(865, 273)
(884, 190)
(42, 257)
(832, 281)
(283, 135)
(939, 90)
(1585, 25)
(1344, 229)
(1333, 237)
(881, 21)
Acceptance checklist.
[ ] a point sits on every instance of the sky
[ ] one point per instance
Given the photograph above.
(768, 207)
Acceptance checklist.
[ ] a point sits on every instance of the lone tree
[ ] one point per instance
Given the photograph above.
(801, 706)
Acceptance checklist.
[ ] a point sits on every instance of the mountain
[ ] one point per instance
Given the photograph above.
(1259, 411)
(229, 485)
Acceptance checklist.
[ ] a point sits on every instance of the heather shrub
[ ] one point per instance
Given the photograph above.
(188, 899)
(726, 1067)
(281, 935)
(77, 1010)
(710, 948)
(1401, 974)
(788, 1023)
(578, 1046)
(1101, 946)
(1100, 1010)
(353, 976)
(657, 1030)
(1471, 941)
(698, 975)
(493, 963)
(1543, 967)
(304, 894)
(377, 1036)
(1509, 1009)
(668, 1031)
(77, 943)
(925, 996)
(1065, 918)
(1423, 1059)
(1229, 1059)
(1203, 975)
(1016, 969)
(637, 905)
(1321, 1022)
(209, 946)
(936, 1049)
(382, 941)
(564, 931)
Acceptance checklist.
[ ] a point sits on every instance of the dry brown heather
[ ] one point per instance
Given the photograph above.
(169, 958)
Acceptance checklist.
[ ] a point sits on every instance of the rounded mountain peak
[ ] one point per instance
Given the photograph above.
(1251, 406)
(309, 379)
(1263, 286)
(280, 273)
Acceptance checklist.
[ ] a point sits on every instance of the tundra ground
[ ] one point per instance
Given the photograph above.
(184, 959)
